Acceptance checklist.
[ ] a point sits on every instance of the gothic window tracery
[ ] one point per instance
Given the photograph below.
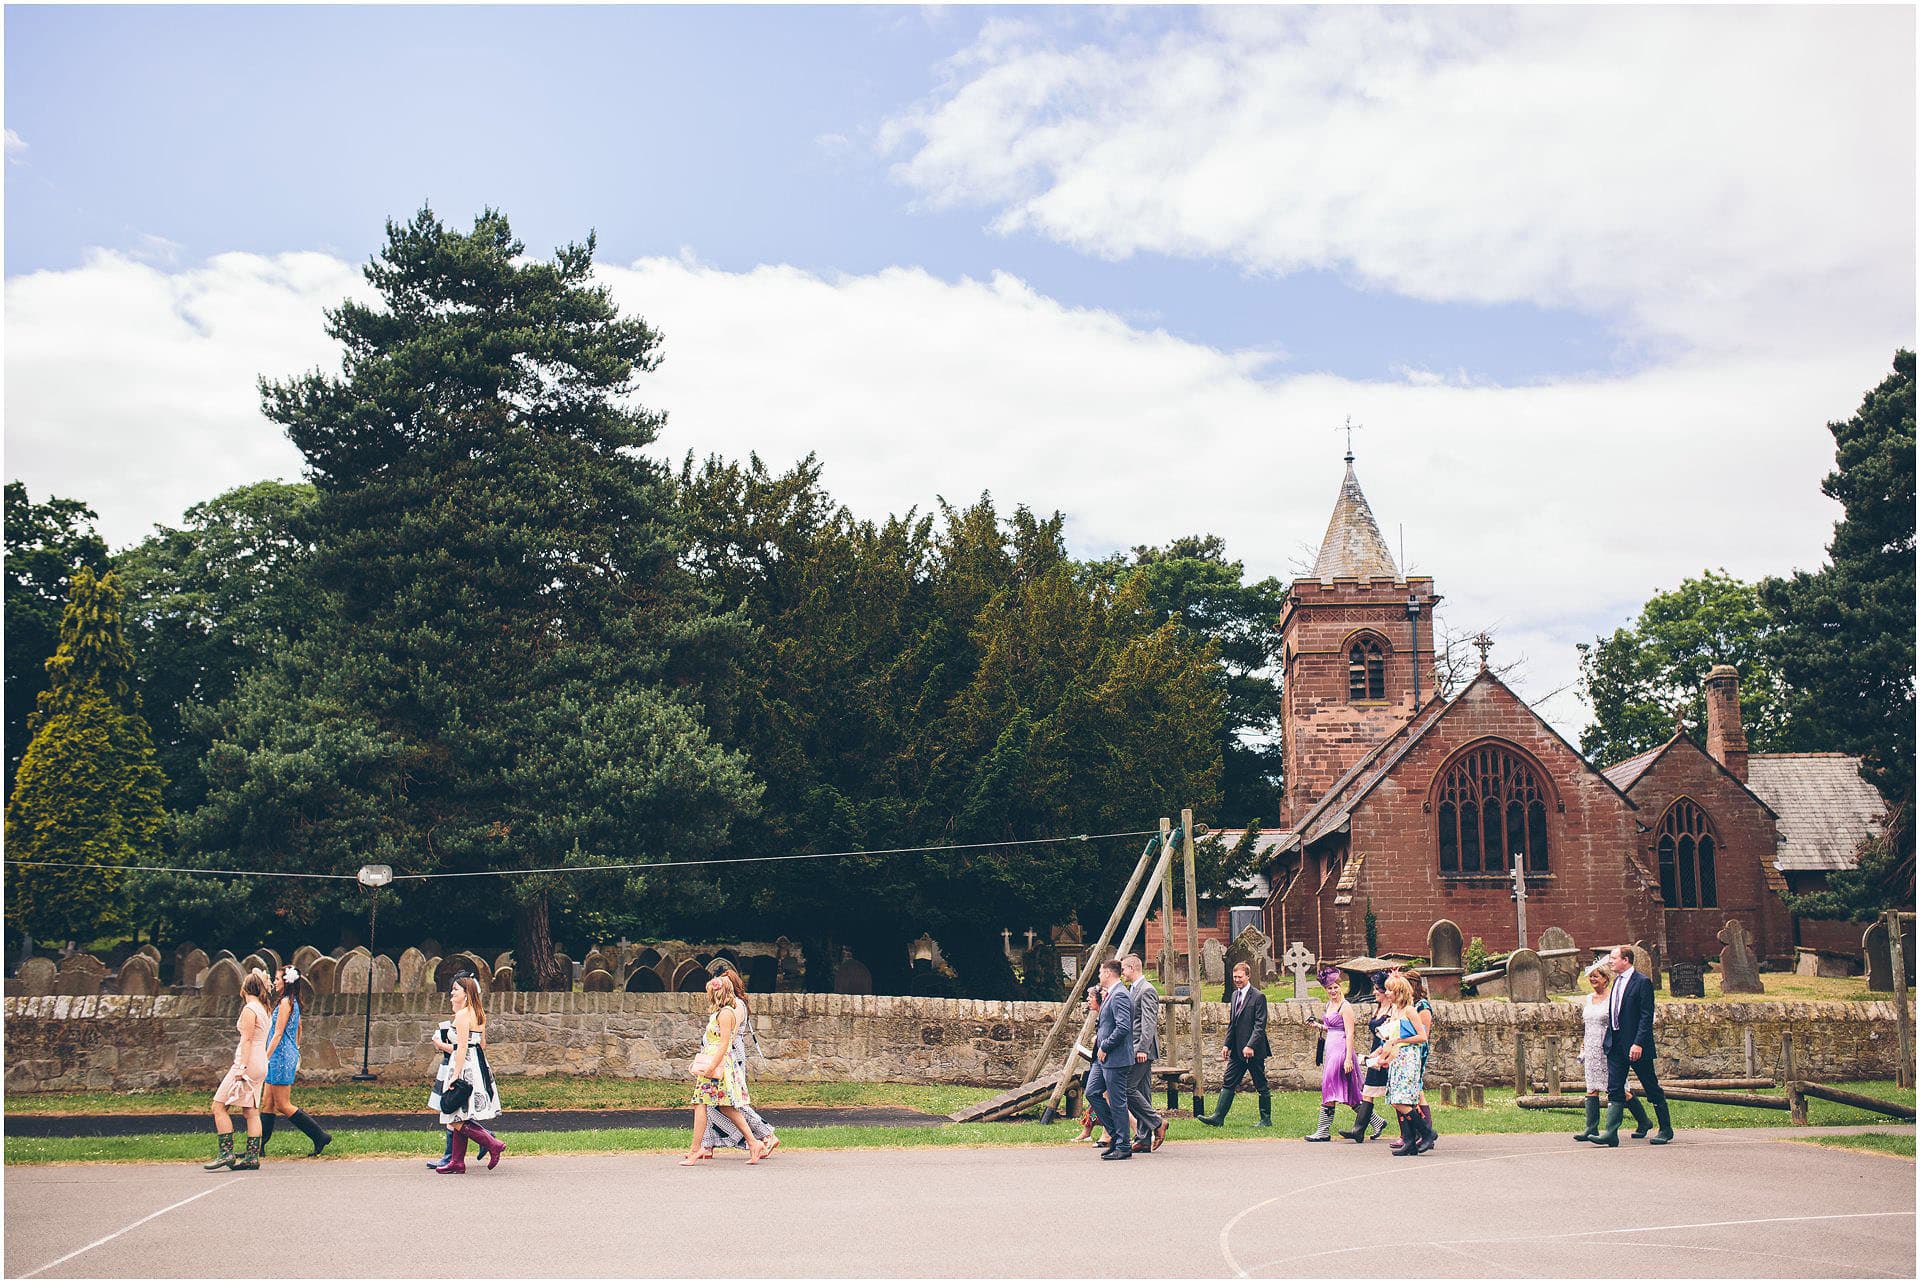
(1491, 805)
(1688, 846)
(1366, 669)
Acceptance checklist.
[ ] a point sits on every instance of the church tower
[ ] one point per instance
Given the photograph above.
(1349, 652)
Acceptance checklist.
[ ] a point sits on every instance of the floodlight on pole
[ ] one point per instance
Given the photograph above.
(372, 877)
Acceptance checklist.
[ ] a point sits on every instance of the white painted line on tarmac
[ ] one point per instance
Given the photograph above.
(212, 1189)
(1240, 1271)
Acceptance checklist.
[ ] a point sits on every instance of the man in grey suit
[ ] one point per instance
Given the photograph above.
(1114, 1049)
(1146, 1050)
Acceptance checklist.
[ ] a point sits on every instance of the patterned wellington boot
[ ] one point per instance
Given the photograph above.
(226, 1154)
(250, 1161)
(1325, 1130)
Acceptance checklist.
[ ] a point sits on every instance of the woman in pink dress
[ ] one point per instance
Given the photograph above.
(244, 1079)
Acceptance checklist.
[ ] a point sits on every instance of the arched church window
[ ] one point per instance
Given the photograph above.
(1366, 670)
(1491, 807)
(1687, 846)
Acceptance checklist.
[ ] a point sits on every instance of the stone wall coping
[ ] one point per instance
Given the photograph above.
(1556, 1013)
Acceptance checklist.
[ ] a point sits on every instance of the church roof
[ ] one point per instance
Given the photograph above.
(1826, 810)
(1625, 774)
(1353, 547)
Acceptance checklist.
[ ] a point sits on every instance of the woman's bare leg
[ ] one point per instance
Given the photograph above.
(755, 1150)
(222, 1120)
(699, 1130)
(253, 1122)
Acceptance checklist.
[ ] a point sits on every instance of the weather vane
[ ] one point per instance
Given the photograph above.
(1349, 428)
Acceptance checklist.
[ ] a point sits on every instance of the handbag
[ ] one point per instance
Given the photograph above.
(1320, 1048)
(456, 1096)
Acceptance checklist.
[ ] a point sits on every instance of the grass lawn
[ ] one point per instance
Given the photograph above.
(544, 1092)
(1294, 1115)
(1873, 1142)
(1781, 986)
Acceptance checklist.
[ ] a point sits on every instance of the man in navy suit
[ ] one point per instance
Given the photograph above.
(1247, 1048)
(1629, 1045)
(1113, 1047)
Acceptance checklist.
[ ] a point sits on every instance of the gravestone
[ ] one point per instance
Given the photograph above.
(352, 974)
(304, 958)
(1739, 971)
(412, 972)
(503, 979)
(598, 980)
(138, 976)
(274, 960)
(1645, 963)
(80, 974)
(1213, 960)
(222, 979)
(37, 976)
(1687, 980)
(188, 963)
(152, 955)
(1299, 960)
(852, 976)
(563, 967)
(256, 961)
(386, 974)
(504, 960)
(598, 960)
(322, 973)
(1563, 972)
(1444, 945)
(225, 955)
(340, 953)
(1526, 977)
(1250, 947)
(478, 965)
(1879, 954)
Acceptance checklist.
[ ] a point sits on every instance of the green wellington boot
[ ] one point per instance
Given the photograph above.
(226, 1154)
(1592, 1128)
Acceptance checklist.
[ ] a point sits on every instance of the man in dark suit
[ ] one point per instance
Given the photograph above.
(1629, 1045)
(1146, 1049)
(1246, 1050)
(1113, 1048)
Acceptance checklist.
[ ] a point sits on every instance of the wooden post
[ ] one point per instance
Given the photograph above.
(1553, 1064)
(1166, 909)
(1902, 1019)
(1790, 1069)
(1746, 1047)
(1522, 1080)
(1194, 977)
(1125, 943)
(1037, 1063)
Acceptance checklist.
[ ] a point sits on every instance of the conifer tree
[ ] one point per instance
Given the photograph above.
(88, 790)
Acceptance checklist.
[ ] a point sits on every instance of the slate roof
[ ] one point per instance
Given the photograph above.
(1353, 546)
(1623, 774)
(1826, 810)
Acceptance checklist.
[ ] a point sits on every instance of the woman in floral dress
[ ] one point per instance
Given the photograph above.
(717, 1083)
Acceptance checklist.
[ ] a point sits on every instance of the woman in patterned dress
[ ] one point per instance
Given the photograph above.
(1593, 1054)
(718, 1130)
(283, 1063)
(717, 1083)
(1406, 1033)
(244, 1079)
(469, 1065)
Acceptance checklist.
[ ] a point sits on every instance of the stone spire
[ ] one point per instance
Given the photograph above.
(1353, 547)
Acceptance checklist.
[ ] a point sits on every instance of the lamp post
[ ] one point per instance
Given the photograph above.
(1413, 625)
(372, 877)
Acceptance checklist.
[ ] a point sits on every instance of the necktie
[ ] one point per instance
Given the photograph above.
(1619, 991)
(1238, 994)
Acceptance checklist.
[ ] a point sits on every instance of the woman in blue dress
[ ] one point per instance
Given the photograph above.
(1406, 1032)
(283, 1063)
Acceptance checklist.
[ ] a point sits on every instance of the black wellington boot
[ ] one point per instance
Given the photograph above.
(319, 1135)
(1266, 1110)
(1362, 1113)
(1220, 1108)
(1665, 1133)
(267, 1120)
(1592, 1128)
(1639, 1112)
(1409, 1141)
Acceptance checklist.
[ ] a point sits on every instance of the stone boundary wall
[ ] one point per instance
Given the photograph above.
(126, 1043)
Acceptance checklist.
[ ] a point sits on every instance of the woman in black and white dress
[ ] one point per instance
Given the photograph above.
(469, 1069)
(720, 1131)
(443, 1043)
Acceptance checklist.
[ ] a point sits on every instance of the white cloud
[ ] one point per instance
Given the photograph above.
(1731, 178)
(1548, 512)
(16, 148)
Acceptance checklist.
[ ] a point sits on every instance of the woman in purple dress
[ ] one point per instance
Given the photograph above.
(1340, 1082)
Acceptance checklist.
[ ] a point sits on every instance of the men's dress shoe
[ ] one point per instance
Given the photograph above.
(1160, 1135)
(1116, 1153)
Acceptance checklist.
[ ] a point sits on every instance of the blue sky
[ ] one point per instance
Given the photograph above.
(1593, 278)
(745, 136)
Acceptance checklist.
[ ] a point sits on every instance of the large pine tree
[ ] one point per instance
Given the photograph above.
(509, 667)
(88, 789)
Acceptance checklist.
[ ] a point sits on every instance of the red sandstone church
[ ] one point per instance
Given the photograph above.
(1417, 805)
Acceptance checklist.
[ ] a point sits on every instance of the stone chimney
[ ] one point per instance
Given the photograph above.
(1726, 739)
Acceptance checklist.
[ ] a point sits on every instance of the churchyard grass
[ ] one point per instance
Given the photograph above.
(1898, 1146)
(1781, 987)
(538, 1092)
(1294, 1115)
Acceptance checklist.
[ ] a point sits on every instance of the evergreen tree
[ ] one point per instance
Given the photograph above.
(509, 667)
(88, 792)
(1634, 679)
(45, 544)
(1846, 640)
